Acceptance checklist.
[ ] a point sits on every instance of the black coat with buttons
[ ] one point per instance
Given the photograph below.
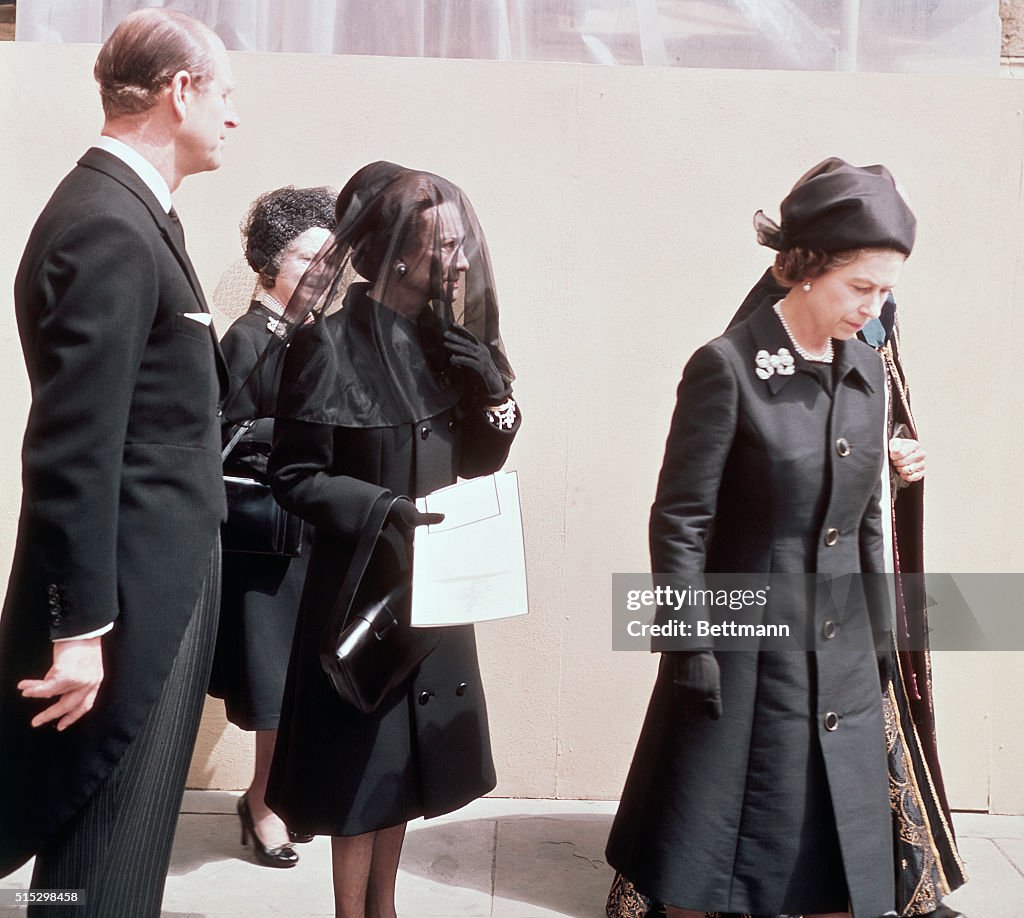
(782, 805)
(427, 752)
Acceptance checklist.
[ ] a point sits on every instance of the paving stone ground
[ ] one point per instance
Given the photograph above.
(497, 858)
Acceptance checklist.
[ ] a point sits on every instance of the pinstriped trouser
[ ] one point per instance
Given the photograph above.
(118, 846)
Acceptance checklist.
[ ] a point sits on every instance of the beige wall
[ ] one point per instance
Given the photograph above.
(617, 204)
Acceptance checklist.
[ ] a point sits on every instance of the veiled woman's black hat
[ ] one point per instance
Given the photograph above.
(836, 207)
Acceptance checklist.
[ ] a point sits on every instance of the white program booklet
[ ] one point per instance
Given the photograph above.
(471, 567)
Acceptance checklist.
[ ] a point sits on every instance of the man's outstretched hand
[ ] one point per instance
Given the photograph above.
(73, 679)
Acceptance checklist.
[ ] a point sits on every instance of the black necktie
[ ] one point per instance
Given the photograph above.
(176, 227)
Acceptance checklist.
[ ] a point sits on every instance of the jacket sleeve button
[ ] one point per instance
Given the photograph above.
(460, 690)
(424, 697)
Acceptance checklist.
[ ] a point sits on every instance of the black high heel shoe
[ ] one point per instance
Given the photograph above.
(281, 856)
(299, 838)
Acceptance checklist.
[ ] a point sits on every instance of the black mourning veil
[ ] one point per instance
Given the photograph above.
(363, 330)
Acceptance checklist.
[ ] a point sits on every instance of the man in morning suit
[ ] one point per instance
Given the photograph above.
(109, 622)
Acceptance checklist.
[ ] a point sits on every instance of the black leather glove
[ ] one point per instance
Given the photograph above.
(405, 516)
(489, 386)
(698, 682)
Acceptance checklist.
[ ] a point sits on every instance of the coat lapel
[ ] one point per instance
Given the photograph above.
(766, 333)
(122, 173)
(854, 360)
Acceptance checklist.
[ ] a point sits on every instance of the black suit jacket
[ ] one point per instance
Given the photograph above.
(122, 488)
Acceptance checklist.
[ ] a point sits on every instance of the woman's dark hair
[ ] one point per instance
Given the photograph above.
(276, 219)
(796, 265)
(142, 55)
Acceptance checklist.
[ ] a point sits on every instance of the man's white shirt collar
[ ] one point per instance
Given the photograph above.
(140, 166)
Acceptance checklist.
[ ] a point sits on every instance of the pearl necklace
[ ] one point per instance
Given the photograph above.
(824, 357)
(276, 324)
(266, 298)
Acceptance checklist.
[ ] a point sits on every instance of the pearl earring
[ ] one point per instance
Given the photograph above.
(400, 269)
(806, 287)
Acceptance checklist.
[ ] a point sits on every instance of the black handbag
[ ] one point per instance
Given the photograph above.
(256, 524)
(369, 649)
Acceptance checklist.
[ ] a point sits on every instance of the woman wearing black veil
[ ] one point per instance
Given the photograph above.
(395, 383)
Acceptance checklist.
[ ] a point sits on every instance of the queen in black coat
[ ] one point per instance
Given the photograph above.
(760, 811)
(929, 864)
(759, 782)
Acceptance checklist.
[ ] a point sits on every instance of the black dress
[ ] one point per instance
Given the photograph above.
(781, 806)
(260, 594)
(337, 771)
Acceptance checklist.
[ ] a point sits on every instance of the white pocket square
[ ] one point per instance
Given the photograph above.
(203, 318)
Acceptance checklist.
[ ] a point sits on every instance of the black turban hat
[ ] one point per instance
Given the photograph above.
(836, 207)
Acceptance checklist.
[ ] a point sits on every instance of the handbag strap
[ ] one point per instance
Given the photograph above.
(357, 566)
(240, 431)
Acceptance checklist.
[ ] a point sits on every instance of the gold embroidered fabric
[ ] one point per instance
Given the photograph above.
(626, 901)
(921, 881)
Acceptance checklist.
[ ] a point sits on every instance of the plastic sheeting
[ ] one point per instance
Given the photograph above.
(922, 36)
